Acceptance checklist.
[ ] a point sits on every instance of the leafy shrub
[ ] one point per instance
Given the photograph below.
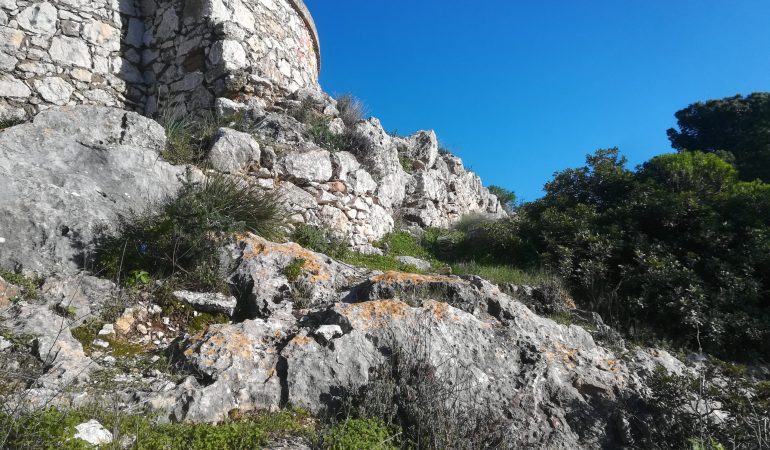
(507, 198)
(351, 109)
(183, 234)
(406, 164)
(720, 407)
(434, 405)
(359, 434)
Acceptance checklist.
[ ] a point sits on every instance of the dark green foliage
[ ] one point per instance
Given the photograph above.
(360, 434)
(721, 408)
(182, 235)
(679, 246)
(351, 109)
(739, 126)
(506, 197)
(10, 123)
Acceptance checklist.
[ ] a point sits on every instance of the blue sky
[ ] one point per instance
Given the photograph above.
(521, 89)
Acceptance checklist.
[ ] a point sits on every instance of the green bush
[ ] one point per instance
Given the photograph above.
(319, 240)
(294, 270)
(507, 198)
(360, 434)
(182, 235)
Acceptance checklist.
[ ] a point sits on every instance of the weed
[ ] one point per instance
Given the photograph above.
(406, 164)
(295, 269)
(319, 240)
(500, 274)
(182, 235)
(360, 434)
(351, 109)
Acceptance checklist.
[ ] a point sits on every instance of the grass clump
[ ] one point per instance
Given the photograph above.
(406, 164)
(360, 434)
(53, 429)
(501, 274)
(352, 110)
(319, 240)
(182, 235)
(189, 136)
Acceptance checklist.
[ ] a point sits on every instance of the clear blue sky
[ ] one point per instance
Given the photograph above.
(521, 89)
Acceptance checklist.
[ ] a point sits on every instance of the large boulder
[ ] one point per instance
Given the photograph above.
(69, 172)
(233, 151)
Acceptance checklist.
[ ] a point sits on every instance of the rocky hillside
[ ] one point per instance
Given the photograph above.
(288, 327)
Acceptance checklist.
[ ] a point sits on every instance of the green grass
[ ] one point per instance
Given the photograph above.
(295, 269)
(53, 429)
(361, 434)
(500, 274)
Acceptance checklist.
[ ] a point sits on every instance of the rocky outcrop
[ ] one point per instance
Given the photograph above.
(70, 172)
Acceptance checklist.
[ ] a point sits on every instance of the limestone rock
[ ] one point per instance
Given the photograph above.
(71, 171)
(233, 151)
(423, 147)
(313, 165)
(84, 296)
(8, 292)
(93, 433)
(208, 302)
(420, 264)
(54, 90)
(38, 18)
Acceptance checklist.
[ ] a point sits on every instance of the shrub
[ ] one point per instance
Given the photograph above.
(434, 405)
(294, 270)
(360, 434)
(183, 234)
(406, 164)
(351, 109)
(319, 240)
(507, 198)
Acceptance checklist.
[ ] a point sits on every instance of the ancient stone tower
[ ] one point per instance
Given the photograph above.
(147, 55)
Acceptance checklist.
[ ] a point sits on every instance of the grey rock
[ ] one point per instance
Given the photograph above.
(93, 433)
(423, 147)
(70, 172)
(420, 264)
(83, 295)
(208, 302)
(233, 151)
(11, 87)
(328, 332)
(54, 90)
(313, 165)
(38, 18)
(70, 51)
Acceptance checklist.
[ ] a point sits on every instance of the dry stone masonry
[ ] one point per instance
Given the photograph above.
(140, 55)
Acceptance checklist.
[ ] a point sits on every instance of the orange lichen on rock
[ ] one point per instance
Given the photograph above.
(257, 246)
(376, 314)
(301, 340)
(235, 343)
(400, 277)
(441, 310)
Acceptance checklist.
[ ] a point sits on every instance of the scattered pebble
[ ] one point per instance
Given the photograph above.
(101, 343)
(141, 329)
(107, 329)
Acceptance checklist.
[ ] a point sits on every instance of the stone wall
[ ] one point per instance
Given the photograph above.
(150, 54)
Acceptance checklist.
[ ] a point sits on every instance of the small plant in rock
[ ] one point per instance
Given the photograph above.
(181, 237)
(319, 240)
(294, 270)
(320, 133)
(406, 164)
(351, 109)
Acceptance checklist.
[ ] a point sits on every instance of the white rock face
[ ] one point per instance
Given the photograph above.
(93, 432)
(233, 151)
(39, 18)
(70, 51)
(54, 90)
(314, 165)
(11, 87)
